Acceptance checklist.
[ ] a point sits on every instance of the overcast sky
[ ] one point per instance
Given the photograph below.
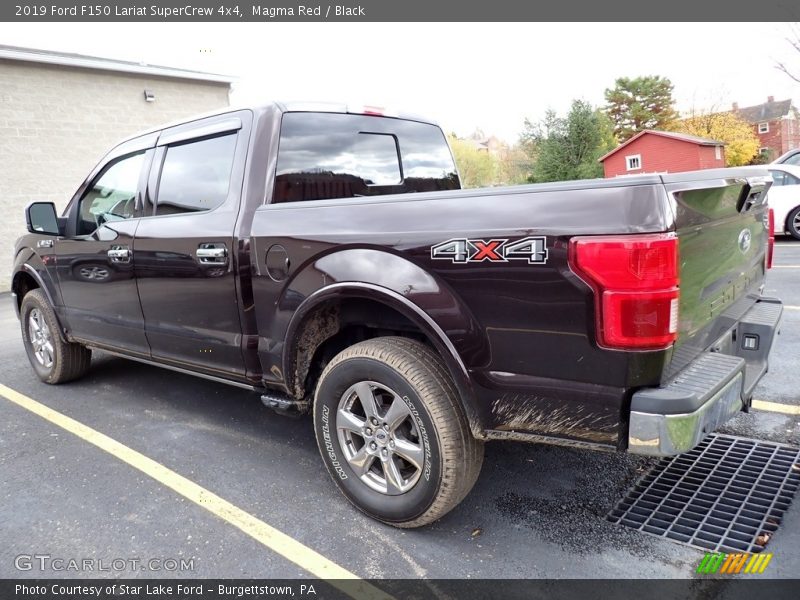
(464, 75)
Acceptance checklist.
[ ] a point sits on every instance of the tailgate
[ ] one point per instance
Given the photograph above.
(721, 222)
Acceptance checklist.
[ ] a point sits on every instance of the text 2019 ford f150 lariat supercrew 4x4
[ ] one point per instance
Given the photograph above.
(327, 259)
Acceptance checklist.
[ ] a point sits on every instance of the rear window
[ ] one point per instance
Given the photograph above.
(331, 155)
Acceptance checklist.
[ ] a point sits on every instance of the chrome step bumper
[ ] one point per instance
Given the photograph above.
(674, 418)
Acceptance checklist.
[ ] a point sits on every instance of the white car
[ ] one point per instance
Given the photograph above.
(792, 157)
(784, 197)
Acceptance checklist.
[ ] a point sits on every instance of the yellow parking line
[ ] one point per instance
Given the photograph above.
(275, 540)
(787, 409)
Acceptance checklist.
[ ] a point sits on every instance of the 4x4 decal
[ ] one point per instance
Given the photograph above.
(462, 250)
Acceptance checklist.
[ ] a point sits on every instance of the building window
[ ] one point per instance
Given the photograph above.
(763, 128)
(718, 152)
(763, 151)
(633, 162)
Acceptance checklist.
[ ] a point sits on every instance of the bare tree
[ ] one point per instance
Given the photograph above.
(794, 41)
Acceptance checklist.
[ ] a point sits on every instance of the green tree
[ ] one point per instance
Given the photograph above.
(476, 167)
(512, 166)
(528, 140)
(568, 148)
(640, 103)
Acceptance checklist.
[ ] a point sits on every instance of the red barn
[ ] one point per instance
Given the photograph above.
(652, 151)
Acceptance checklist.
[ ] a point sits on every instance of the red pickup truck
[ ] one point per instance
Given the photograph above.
(326, 259)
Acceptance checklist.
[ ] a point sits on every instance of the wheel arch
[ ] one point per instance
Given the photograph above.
(787, 227)
(317, 321)
(27, 278)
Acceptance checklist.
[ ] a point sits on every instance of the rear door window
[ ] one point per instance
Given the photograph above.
(332, 155)
(196, 175)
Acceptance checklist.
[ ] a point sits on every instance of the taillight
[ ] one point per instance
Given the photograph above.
(635, 283)
(771, 238)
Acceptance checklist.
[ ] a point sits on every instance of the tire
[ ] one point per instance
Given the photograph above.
(53, 359)
(793, 223)
(424, 461)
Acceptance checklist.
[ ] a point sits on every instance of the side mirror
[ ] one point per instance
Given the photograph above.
(41, 218)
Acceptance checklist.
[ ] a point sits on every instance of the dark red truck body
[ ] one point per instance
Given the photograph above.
(294, 265)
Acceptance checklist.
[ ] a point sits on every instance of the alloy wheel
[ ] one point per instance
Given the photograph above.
(380, 438)
(40, 338)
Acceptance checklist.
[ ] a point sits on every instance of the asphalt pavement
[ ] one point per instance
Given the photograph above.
(537, 511)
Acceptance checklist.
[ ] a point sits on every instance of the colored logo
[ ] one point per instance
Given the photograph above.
(461, 250)
(733, 564)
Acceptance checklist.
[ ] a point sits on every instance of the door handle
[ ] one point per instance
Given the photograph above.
(119, 254)
(210, 254)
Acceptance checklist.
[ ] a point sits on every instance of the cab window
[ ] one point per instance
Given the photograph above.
(112, 196)
(323, 156)
(196, 176)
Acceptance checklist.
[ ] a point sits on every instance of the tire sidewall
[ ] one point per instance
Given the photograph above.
(391, 509)
(30, 302)
(790, 223)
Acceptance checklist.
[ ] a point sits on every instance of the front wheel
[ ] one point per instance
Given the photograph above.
(53, 359)
(392, 432)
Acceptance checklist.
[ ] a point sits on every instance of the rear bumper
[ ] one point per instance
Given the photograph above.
(674, 418)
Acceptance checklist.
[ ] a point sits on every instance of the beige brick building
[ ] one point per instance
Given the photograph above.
(60, 113)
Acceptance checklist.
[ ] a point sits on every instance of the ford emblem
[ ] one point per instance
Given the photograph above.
(745, 239)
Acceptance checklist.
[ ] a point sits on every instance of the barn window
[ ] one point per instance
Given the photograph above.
(763, 127)
(633, 162)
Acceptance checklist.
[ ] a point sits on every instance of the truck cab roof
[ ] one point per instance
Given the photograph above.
(292, 106)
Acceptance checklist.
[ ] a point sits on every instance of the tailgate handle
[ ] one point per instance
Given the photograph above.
(753, 192)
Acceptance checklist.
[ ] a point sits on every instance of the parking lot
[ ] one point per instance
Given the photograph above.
(536, 512)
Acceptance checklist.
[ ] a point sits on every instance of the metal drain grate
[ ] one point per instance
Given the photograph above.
(727, 494)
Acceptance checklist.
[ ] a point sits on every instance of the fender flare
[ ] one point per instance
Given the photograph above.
(414, 313)
(28, 269)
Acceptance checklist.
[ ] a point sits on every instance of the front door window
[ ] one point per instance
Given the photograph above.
(112, 197)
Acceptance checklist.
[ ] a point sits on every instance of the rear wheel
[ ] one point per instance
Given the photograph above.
(53, 359)
(793, 223)
(392, 432)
